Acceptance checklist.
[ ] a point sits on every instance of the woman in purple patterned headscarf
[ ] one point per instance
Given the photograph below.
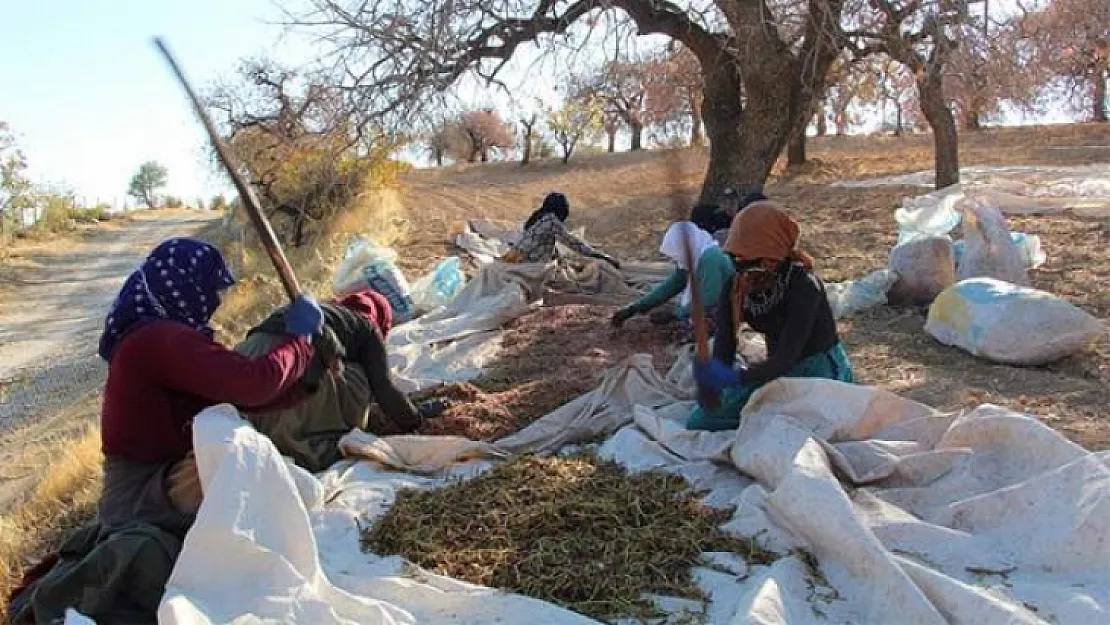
(164, 368)
(180, 280)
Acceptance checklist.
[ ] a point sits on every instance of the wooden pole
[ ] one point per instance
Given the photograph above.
(246, 193)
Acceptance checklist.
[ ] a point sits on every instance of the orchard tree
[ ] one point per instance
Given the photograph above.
(850, 82)
(923, 36)
(992, 67)
(147, 181)
(577, 120)
(446, 139)
(762, 63)
(1072, 40)
(304, 154)
(621, 86)
(675, 91)
(485, 131)
(528, 123)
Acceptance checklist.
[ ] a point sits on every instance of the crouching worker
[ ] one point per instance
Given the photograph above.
(354, 333)
(713, 272)
(776, 292)
(546, 227)
(163, 368)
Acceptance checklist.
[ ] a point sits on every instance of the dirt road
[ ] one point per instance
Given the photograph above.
(51, 316)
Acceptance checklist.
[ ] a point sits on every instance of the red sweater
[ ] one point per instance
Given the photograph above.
(164, 373)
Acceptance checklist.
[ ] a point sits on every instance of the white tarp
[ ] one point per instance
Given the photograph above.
(913, 516)
(1021, 190)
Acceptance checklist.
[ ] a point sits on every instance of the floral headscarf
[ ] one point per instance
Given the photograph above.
(180, 280)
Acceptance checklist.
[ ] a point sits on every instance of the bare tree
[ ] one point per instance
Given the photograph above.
(579, 119)
(528, 125)
(992, 67)
(762, 62)
(292, 133)
(1072, 40)
(675, 91)
(485, 131)
(923, 35)
(621, 86)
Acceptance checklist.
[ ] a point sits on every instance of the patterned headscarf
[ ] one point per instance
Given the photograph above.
(180, 280)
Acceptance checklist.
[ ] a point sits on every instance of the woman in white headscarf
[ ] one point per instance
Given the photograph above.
(712, 271)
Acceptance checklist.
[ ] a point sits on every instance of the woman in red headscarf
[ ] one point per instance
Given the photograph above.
(777, 293)
(329, 406)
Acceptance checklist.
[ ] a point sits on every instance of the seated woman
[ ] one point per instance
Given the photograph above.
(713, 219)
(776, 292)
(544, 228)
(712, 273)
(309, 431)
(164, 368)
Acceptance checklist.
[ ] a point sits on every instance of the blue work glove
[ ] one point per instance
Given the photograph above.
(304, 317)
(432, 408)
(715, 375)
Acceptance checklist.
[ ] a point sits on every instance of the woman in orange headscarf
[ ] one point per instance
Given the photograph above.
(776, 293)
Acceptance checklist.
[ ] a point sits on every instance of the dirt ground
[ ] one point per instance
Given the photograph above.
(51, 313)
(623, 202)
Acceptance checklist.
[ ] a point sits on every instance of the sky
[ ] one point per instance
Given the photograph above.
(90, 99)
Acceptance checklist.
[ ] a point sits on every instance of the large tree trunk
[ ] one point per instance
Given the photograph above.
(743, 144)
(439, 157)
(1100, 98)
(485, 154)
(637, 130)
(612, 134)
(822, 122)
(945, 136)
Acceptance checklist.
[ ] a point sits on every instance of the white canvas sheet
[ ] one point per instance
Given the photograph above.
(1022, 190)
(912, 516)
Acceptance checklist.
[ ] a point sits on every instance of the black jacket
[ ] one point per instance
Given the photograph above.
(365, 347)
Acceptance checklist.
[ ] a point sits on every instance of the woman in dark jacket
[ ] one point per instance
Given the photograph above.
(776, 292)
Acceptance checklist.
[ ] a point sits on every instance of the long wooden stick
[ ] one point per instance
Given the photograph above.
(246, 193)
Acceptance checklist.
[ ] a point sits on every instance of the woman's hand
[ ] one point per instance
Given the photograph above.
(621, 316)
(303, 317)
(714, 375)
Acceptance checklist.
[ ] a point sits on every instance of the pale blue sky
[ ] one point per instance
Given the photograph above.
(91, 99)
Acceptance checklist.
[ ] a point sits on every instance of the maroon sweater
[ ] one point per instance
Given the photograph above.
(164, 373)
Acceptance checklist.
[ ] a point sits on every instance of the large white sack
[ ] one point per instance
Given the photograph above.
(1009, 324)
(925, 266)
(989, 250)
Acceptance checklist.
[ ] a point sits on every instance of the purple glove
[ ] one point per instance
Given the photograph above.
(715, 375)
(303, 317)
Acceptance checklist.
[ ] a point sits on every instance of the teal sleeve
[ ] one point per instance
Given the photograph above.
(715, 270)
(714, 274)
(670, 287)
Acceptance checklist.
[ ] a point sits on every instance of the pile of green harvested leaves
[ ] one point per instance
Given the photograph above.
(579, 532)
